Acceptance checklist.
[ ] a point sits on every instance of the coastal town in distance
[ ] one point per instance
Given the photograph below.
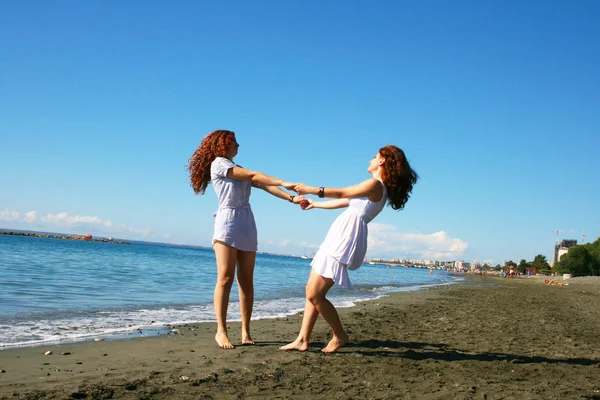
(538, 266)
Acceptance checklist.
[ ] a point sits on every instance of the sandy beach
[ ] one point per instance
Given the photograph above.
(491, 338)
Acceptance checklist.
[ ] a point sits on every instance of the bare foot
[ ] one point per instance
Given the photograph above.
(298, 344)
(335, 344)
(246, 339)
(223, 341)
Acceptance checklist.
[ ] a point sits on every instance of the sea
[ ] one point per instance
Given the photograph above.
(54, 291)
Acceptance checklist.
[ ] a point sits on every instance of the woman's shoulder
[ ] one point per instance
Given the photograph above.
(223, 161)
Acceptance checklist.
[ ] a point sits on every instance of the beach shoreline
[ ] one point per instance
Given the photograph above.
(487, 338)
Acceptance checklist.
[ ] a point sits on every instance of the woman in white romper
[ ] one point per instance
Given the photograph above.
(235, 238)
(345, 246)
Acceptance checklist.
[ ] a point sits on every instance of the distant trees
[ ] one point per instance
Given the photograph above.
(581, 260)
(540, 263)
(523, 265)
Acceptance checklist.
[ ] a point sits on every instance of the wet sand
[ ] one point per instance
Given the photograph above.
(491, 338)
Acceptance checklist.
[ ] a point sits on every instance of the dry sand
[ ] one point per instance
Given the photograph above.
(492, 338)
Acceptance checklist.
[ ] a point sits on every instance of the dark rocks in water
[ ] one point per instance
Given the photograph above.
(64, 237)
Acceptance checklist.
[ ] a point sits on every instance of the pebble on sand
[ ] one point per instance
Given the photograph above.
(98, 339)
(48, 353)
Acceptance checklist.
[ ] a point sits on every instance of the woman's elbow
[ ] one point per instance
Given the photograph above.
(255, 177)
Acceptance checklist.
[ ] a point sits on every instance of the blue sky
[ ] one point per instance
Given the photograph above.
(494, 102)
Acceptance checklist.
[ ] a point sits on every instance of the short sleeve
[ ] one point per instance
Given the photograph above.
(220, 167)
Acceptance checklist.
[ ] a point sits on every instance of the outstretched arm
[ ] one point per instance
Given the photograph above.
(282, 194)
(370, 188)
(257, 178)
(327, 205)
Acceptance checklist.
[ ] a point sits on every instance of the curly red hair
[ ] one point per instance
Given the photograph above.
(398, 177)
(215, 144)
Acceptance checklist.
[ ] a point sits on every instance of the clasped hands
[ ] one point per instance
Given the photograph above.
(301, 189)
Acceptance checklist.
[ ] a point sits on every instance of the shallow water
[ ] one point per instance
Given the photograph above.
(56, 290)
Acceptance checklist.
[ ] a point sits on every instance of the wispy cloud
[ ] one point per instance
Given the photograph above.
(388, 241)
(65, 220)
(8, 216)
(70, 220)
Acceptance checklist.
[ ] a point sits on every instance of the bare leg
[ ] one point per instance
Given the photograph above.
(316, 290)
(308, 323)
(245, 278)
(226, 260)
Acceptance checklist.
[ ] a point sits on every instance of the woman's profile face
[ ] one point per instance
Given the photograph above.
(233, 148)
(375, 162)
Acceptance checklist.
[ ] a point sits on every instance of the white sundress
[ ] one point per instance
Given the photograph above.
(234, 220)
(345, 245)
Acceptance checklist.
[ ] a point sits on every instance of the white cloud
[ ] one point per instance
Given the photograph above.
(8, 216)
(167, 235)
(30, 216)
(69, 220)
(89, 223)
(388, 241)
(284, 242)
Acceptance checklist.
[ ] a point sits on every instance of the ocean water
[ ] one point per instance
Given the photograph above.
(54, 290)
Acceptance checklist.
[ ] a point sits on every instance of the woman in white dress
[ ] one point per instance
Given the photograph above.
(346, 243)
(235, 237)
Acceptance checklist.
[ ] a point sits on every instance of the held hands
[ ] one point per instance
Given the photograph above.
(298, 200)
(289, 185)
(307, 204)
(301, 188)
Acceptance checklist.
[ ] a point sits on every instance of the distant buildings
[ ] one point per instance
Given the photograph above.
(462, 265)
(562, 248)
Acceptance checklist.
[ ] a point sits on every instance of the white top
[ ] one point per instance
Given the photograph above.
(234, 220)
(346, 240)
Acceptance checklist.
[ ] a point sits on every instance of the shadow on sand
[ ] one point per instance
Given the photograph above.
(442, 352)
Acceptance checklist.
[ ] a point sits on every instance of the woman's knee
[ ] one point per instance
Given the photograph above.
(313, 296)
(245, 281)
(225, 281)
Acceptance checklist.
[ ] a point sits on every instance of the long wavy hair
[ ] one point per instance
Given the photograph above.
(215, 144)
(398, 177)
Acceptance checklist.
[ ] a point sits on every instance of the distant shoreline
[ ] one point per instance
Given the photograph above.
(63, 237)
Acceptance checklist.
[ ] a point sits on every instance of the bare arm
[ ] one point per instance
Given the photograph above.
(370, 188)
(277, 192)
(328, 205)
(257, 178)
